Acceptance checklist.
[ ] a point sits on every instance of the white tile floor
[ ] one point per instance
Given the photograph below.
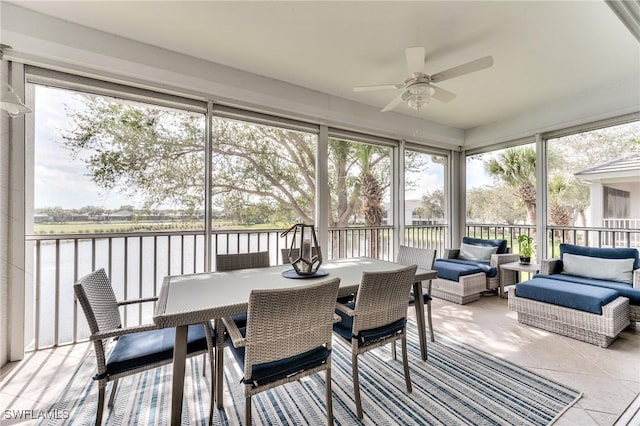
(609, 378)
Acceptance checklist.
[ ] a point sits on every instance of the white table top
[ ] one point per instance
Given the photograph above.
(195, 298)
(517, 266)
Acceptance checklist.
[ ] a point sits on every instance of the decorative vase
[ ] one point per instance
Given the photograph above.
(304, 253)
(525, 260)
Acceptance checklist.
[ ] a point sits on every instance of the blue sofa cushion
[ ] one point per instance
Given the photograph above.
(272, 371)
(582, 297)
(148, 347)
(624, 290)
(453, 269)
(501, 244)
(345, 326)
(603, 252)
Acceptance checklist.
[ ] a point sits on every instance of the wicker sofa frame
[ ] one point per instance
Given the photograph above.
(554, 266)
(469, 287)
(596, 329)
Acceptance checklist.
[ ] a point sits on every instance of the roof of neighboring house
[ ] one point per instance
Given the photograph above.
(627, 166)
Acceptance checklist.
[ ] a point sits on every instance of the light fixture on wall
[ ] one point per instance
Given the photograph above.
(9, 100)
(418, 95)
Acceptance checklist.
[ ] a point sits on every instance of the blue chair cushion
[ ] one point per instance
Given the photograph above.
(582, 297)
(148, 347)
(345, 326)
(272, 371)
(501, 244)
(623, 289)
(453, 269)
(602, 252)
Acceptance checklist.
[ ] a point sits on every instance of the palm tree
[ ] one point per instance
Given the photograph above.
(559, 212)
(517, 168)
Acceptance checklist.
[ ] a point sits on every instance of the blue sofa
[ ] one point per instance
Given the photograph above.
(589, 293)
(466, 272)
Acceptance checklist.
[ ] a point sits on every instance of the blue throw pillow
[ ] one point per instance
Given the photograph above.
(602, 252)
(501, 244)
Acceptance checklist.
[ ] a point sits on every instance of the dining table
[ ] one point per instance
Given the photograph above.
(201, 297)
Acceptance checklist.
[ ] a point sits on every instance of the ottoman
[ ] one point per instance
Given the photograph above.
(592, 314)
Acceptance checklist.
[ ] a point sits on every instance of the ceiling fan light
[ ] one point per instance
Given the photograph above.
(418, 101)
(419, 89)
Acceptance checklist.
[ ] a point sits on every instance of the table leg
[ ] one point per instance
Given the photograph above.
(219, 326)
(419, 306)
(179, 361)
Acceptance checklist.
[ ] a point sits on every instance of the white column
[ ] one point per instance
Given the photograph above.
(322, 190)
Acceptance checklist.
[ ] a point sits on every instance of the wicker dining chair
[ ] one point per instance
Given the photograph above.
(232, 262)
(137, 348)
(424, 259)
(287, 336)
(235, 261)
(377, 317)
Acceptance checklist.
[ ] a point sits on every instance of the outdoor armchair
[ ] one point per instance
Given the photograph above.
(424, 259)
(137, 348)
(377, 317)
(466, 272)
(287, 336)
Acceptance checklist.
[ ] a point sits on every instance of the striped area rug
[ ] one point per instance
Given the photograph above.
(458, 385)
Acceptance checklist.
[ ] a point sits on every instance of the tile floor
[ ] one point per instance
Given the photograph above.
(609, 378)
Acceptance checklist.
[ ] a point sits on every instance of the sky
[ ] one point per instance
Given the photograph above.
(62, 181)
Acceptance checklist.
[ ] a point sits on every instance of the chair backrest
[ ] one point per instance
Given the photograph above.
(423, 258)
(383, 298)
(295, 253)
(285, 322)
(231, 262)
(95, 294)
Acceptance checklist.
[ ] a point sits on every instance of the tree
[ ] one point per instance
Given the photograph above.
(494, 204)
(517, 168)
(433, 205)
(559, 213)
(159, 154)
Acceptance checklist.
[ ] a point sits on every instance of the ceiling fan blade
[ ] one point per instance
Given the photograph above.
(378, 87)
(415, 59)
(442, 95)
(394, 103)
(469, 67)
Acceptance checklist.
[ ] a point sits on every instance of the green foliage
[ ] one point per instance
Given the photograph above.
(266, 171)
(526, 245)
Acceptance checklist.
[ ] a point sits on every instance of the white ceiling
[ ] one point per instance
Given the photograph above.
(544, 51)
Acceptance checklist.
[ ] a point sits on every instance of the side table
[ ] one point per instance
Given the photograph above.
(532, 268)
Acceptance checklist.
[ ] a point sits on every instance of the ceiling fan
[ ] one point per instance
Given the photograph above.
(418, 89)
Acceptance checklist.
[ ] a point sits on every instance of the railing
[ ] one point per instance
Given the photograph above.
(583, 236)
(361, 241)
(592, 237)
(427, 236)
(617, 239)
(136, 263)
(503, 232)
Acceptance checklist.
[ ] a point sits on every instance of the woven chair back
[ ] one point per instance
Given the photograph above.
(95, 294)
(285, 322)
(383, 298)
(232, 262)
(423, 258)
